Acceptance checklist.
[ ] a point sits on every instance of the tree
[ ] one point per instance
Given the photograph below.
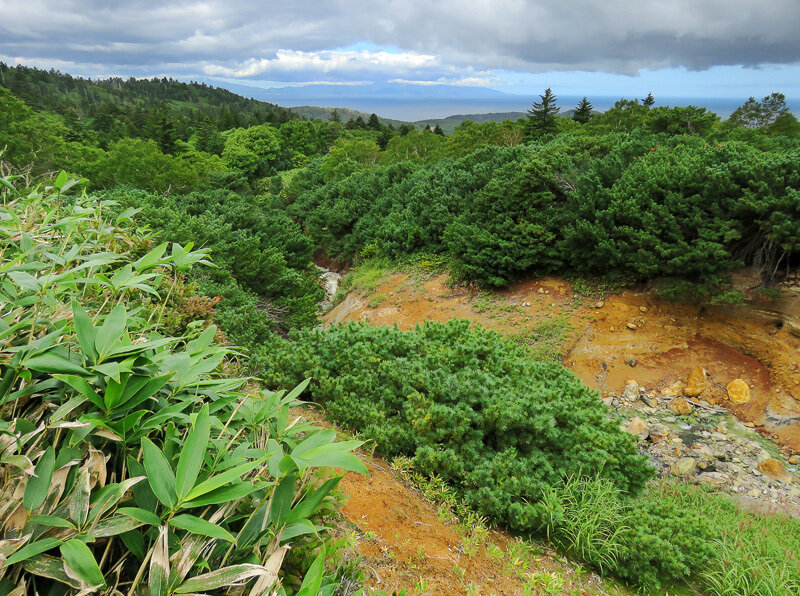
(649, 100)
(373, 123)
(335, 117)
(437, 130)
(758, 114)
(583, 112)
(681, 120)
(542, 116)
(252, 150)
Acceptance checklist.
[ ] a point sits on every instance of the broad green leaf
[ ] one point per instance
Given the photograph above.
(313, 579)
(221, 479)
(111, 331)
(191, 458)
(305, 508)
(54, 364)
(112, 370)
(300, 528)
(222, 495)
(109, 495)
(115, 525)
(159, 474)
(52, 521)
(82, 386)
(141, 515)
(220, 578)
(197, 525)
(51, 567)
(282, 499)
(79, 501)
(151, 259)
(84, 330)
(126, 215)
(33, 549)
(81, 560)
(38, 485)
(60, 180)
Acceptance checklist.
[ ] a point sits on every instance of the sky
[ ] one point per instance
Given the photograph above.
(675, 48)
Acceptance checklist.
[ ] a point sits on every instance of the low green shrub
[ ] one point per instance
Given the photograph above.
(469, 406)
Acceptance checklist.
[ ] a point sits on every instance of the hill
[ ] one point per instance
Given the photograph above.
(77, 98)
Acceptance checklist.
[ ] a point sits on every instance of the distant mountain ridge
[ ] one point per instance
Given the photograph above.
(447, 124)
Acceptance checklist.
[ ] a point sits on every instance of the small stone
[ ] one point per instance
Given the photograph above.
(541, 291)
(774, 469)
(680, 407)
(755, 493)
(794, 460)
(599, 304)
(738, 392)
(659, 433)
(648, 400)
(631, 326)
(683, 467)
(642, 309)
(715, 478)
(696, 383)
(613, 329)
(756, 473)
(631, 391)
(637, 426)
(631, 362)
(608, 401)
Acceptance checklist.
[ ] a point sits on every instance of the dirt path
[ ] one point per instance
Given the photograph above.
(628, 335)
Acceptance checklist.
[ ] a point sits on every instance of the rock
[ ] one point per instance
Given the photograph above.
(648, 400)
(680, 407)
(738, 392)
(774, 469)
(719, 453)
(637, 426)
(642, 309)
(794, 460)
(673, 390)
(632, 363)
(608, 401)
(631, 326)
(703, 450)
(683, 467)
(631, 391)
(696, 383)
(714, 478)
(599, 304)
(659, 433)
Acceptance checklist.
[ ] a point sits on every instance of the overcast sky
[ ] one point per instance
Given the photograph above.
(670, 47)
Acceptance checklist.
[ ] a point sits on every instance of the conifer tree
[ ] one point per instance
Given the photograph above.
(583, 112)
(542, 116)
(649, 100)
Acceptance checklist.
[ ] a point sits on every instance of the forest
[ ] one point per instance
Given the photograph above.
(159, 299)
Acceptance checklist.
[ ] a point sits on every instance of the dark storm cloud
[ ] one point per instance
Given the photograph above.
(445, 39)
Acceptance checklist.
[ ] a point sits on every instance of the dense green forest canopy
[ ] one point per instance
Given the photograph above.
(645, 193)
